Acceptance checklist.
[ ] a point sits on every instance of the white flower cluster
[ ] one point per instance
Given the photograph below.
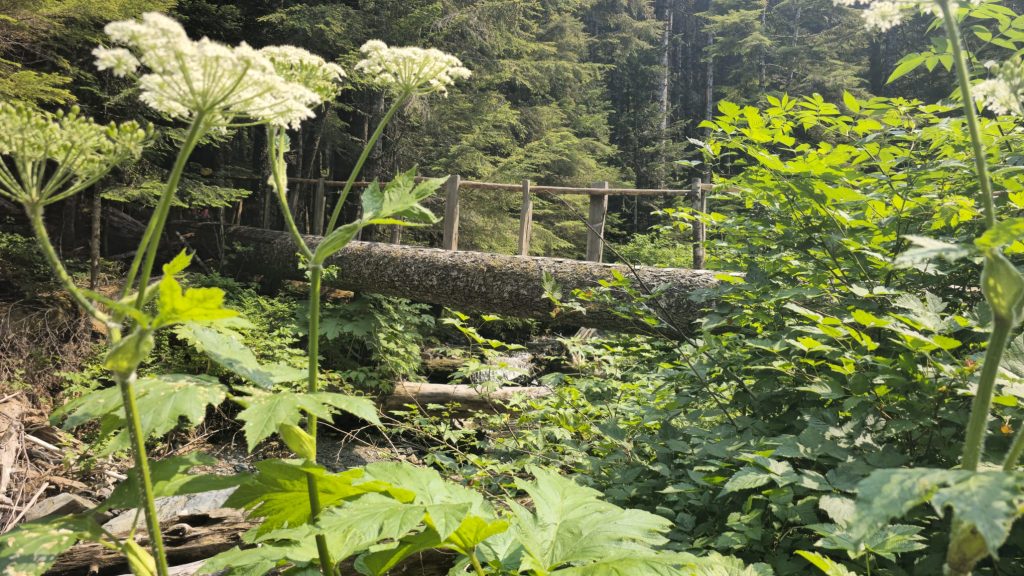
(55, 155)
(1004, 91)
(410, 70)
(279, 85)
(882, 15)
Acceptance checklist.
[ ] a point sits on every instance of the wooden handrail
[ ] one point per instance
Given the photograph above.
(598, 193)
(476, 184)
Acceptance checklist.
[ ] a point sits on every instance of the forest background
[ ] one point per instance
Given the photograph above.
(564, 92)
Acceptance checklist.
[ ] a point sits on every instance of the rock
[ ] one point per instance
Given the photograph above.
(515, 368)
(59, 505)
(172, 507)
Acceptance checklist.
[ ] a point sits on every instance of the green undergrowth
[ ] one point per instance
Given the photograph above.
(842, 365)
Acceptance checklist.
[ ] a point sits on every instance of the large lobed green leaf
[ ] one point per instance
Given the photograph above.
(227, 349)
(162, 401)
(990, 501)
(279, 492)
(30, 549)
(266, 411)
(571, 525)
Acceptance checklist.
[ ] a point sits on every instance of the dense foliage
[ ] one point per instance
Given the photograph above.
(844, 403)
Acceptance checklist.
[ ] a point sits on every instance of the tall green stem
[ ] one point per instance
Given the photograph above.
(126, 382)
(974, 443)
(151, 238)
(313, 354)
(281, 187)
(970, 114)
(313, 363)
(966, 545)
(35, 216)
(399, 102)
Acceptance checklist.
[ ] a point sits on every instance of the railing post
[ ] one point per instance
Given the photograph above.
(264, 190)
(596, 218)
(450, 240)
(525, 220)
(699, 203)
(318, 208)
(293, 203)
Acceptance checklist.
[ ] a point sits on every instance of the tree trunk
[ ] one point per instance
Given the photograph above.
(663, 99)
(94, 238)
(475, 281)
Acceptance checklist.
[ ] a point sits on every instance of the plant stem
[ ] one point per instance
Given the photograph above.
(35, 216)
(281, 187)
(315, 276)
(399, 102)
(151, 238)
(974, 443)
(476, 564)
(970, 115)
(126, 382)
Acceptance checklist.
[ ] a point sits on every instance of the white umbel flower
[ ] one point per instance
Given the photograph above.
(881, 15)
(410, 70)
(1004, 91)
(185, 78)
(120, 61)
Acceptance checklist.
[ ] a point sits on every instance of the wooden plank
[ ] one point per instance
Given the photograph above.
(450, 239)
(595, 221)
(698, 201)
(319, 205)
(525, 220)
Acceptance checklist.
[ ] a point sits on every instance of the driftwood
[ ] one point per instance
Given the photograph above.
(475, 281)
(467, 397)
(187, 539)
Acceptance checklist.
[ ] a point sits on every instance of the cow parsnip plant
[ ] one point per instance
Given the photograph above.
(49, 157)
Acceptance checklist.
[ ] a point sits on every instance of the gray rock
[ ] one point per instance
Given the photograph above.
(512, 368)
(59, 505)
(172, 507)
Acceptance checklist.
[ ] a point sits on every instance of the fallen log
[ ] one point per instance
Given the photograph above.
(187, 538)
(467, 397)
(479, 282)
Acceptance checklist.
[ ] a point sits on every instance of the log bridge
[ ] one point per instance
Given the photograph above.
(478, 282)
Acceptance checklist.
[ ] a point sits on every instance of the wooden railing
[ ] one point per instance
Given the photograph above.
(596, 215)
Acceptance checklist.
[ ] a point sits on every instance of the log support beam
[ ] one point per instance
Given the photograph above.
(480, 282)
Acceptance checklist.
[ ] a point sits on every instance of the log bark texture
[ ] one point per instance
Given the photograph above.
(187, 539)
(477, 281)
(467, 397)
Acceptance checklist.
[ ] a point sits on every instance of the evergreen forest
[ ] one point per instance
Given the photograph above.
(511, 287)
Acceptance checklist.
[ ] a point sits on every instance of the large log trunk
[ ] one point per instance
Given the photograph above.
(468, 398)
(480, 282)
